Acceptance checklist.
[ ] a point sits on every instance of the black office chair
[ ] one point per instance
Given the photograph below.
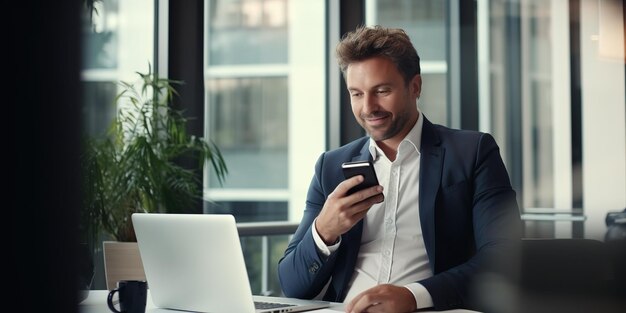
(566, 275)
(556, 275)
(564, 265)
(615, 241)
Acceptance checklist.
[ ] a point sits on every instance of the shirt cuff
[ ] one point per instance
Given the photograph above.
(321, 246)
(423, 298)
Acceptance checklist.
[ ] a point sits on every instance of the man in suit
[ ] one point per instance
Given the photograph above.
(444, 211)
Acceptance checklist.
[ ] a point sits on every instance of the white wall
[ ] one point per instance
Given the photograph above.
(307, 97)
(136, 38)
(603, 112)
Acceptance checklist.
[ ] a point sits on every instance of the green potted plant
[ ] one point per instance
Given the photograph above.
(136, 166)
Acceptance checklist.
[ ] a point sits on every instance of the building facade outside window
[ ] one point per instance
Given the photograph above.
(265, 110)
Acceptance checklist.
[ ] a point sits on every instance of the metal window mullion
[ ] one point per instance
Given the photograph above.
(265, 264)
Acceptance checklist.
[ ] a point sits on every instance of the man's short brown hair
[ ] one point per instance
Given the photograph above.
(367, 42)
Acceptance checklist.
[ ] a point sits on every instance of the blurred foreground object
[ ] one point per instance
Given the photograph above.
(615, 240)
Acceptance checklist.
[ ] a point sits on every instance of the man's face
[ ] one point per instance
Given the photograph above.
(381, 102)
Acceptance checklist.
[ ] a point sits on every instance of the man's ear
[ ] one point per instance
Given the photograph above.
(416, 85)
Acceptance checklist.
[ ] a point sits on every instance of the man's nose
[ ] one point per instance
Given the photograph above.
(370, 103)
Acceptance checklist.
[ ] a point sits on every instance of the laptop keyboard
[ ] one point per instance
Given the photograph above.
(270, 305)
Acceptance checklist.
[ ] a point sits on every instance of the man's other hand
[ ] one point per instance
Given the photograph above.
(383, 298)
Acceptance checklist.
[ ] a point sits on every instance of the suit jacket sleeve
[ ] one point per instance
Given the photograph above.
(302, 271)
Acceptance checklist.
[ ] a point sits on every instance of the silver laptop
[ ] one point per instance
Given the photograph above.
(194, 262)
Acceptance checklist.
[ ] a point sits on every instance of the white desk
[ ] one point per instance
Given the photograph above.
(96, 302)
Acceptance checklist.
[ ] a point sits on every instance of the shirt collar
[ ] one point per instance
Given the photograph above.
(414, 138)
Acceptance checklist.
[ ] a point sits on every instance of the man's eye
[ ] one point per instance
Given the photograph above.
(355, 94)
(383, 91)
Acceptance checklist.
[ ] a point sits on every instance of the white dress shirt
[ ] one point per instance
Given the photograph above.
(392, 247)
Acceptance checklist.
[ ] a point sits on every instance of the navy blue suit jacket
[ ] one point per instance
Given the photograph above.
(468, 214)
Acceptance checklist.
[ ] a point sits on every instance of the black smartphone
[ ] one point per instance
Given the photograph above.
(365, 168)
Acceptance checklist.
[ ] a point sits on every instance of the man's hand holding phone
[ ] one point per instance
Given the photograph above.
(349, 202)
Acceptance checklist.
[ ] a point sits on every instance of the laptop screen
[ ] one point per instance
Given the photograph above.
(194, 262)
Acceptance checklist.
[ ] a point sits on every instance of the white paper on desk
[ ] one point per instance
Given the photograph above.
(327, 311)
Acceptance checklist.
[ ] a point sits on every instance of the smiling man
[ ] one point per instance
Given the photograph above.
(443, 214)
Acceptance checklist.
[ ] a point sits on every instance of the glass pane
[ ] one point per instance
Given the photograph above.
(250, 211)
(537, 120)
(539, 189)
(100, 35)
(537, 96)
(117, 41)
(98, 110)
(247, 32)
(433, 101)
(423, 20)
(248, 120)
(498, 74)
(253, 255)
(425, 23)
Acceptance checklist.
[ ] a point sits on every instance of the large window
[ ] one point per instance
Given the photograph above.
(247, 106)
(551, 93)
(247, 32)
(264, 102)
(550, 74)
(426, 24)
(265, 110)
(118, 40)
(248, 119)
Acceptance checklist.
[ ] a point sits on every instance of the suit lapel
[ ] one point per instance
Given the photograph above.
(364, 153)
(431, 162)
